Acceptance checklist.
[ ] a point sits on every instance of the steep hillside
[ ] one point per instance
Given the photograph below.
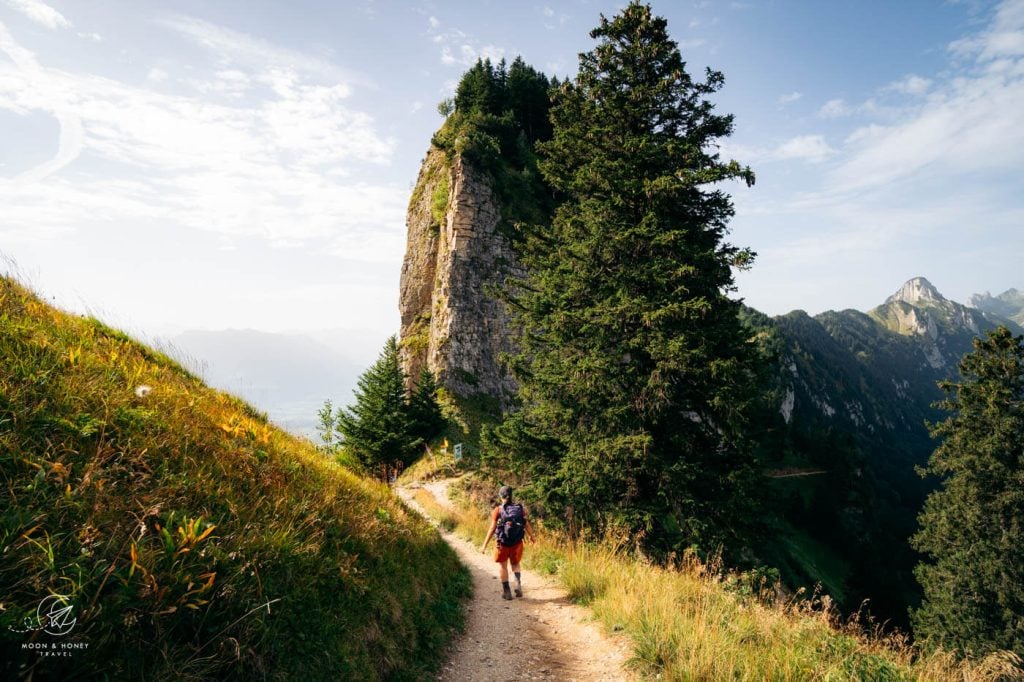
(189, 537)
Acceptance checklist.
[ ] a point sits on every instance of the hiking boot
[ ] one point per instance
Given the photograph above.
(519, 590)
(506, 595)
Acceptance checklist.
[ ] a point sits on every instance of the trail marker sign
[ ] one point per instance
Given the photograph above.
(458, 451)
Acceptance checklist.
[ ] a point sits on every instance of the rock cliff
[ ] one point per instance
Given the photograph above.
(456, 256)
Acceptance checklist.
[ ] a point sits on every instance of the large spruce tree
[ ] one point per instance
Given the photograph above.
(635, 370)
(427, 419)
(378, 427)
(972, 527)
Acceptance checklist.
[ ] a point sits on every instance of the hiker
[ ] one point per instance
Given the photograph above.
(508, 526)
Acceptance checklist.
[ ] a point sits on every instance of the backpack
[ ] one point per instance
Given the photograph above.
(511, 524)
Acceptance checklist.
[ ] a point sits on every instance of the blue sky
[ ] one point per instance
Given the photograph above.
(209, 165)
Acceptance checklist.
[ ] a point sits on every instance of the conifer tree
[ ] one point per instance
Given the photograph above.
(635, 369)
(972, 527)
(378, 427)
(427, 421)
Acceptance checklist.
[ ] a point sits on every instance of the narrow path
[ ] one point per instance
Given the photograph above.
(794, 473)
(541, 636)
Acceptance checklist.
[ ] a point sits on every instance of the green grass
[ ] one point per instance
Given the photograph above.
(690, 621)
(194, 539)
(821, 564)
(439, 199)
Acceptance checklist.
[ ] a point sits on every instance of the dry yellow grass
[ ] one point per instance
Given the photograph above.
(691, 622)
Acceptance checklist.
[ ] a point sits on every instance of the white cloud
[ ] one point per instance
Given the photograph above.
(231, 83)
(243, 50)
(551, 18)
(30, 78)
(460, 49)
(434, 22)
(834, 108)
(788, 98)
(41, 13)
(812, 148)
(270, 152)
(1003, 38)
(467, 54)
(968, 124)
(809, 148)
(911, 85)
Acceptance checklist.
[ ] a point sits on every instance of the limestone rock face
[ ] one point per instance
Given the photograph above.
(917, 291)
(455, 257)
(943, 328)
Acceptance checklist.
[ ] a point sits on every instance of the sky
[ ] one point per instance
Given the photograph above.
(213, 165)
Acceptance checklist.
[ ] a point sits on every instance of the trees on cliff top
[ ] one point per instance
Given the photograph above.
(518, 90)
(635, 369)
(972, 527)
(498, 115)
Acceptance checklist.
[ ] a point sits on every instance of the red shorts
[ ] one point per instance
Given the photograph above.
(513, 553)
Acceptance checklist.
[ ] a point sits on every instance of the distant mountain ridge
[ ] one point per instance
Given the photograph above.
(865, 366)
(1009, 304)
(854, 391)
(289, 375)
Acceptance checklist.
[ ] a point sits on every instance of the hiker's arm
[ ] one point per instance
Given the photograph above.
(529, 531)
(490, 532)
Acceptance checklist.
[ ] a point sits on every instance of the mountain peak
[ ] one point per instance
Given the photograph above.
(915, 291)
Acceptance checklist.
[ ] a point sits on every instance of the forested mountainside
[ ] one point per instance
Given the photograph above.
(854, 391)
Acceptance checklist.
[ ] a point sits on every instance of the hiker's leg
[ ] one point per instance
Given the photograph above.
(506, 592)
(516, 556)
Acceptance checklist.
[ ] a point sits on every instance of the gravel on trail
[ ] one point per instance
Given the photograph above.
(541, 636)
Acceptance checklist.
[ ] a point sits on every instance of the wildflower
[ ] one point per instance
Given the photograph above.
(143, 390)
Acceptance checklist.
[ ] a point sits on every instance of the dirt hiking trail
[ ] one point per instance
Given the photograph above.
(541, 636)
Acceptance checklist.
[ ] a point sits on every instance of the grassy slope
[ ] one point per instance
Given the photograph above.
(168, 519)
(694, 623)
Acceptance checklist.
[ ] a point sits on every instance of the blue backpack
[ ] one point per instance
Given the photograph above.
(511, 524)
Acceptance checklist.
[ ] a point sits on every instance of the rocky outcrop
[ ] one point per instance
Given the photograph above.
(455, 258)
(943, 328)
(916, 291)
